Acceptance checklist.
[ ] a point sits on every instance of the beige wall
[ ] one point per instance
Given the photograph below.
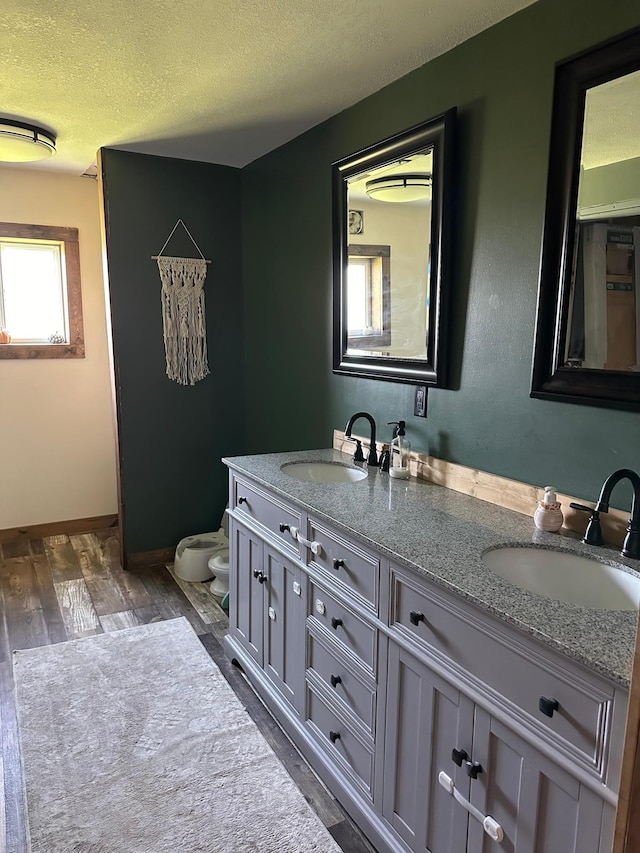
(404, 227)
(606, 184)
(56, 429)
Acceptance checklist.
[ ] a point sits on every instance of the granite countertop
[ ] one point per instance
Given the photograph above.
(442, 535)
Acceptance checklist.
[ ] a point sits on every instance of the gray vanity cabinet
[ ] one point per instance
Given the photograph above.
(246, 593)
(378, 675)
(268, 601)
(540, 807)
(283, 625)
(426, 718)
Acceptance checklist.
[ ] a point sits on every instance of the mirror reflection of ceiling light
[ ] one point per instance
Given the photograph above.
(399, 188)
(24, 143)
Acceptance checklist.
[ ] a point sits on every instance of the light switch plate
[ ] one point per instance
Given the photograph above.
(420, 402)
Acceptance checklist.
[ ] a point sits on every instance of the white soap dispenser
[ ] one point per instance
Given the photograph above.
(400, 452)
(548, 515)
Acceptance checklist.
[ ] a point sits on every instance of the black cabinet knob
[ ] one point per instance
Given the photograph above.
(284, 528)
(262, 579)
(259, 576)
(458, 756)
(416, 617)
(334, 736)
(338, 564)
(473, 769)
(548, 706)
(256, 573)
(242, 500)
(335, 622)
(335, 680)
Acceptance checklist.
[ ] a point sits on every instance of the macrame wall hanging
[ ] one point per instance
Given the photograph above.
(185, 333)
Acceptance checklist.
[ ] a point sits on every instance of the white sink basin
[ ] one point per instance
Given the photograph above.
(323, 472)
(566, 577)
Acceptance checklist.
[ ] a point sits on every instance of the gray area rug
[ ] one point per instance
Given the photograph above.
(133, 742)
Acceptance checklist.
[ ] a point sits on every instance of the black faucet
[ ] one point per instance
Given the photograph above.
(372, 459)
(593, 533)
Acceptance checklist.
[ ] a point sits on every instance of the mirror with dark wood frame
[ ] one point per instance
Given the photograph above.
(587, 344)
(391, 206)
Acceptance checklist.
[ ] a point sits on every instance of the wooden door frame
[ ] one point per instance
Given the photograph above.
(113, 368)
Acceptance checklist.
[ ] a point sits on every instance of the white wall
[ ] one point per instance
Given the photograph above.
(56, 423)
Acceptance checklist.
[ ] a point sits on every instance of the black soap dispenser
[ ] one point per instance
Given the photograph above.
(400, 452)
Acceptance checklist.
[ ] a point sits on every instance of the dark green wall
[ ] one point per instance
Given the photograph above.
(172, 437)
(501, 82)
(274, 255)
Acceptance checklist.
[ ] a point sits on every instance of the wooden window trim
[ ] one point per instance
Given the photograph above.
(69, 236)
(364, 250)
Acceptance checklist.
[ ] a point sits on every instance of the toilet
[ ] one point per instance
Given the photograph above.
(219, 566)
(194, 553)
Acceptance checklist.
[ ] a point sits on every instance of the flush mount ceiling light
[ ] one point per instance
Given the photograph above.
(400, 187)
(24, 143)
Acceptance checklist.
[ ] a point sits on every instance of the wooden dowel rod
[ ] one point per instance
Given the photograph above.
(155, 258)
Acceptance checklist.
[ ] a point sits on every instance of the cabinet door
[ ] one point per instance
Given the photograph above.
(426, 719)
(541, 808)
(246, 593)
(284, 626)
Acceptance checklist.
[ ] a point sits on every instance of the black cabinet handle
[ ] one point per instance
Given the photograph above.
(548, 706)
(473, 769)
(458, 756)
(256, 573)
(335, 680)
(262, 579)
(242, 500)
(259, 576)
(334, 736)
(335, 622)
(416, 617)
(284, 528)
(338, 564)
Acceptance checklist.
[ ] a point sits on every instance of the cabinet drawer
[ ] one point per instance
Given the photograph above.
(348, 629)
(267, 510)
(523, 674)
(339, 741)
(348, 566)
(359, 698)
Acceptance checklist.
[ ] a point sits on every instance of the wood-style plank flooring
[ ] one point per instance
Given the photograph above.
(65, 587)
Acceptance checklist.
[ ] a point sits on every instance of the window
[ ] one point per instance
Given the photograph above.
(368, 297)
(40, 298)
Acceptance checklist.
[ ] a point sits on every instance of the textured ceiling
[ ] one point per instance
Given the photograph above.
(612, 122)
(221, 81)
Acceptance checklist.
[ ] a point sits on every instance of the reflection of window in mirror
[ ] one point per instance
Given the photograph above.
(395, 197)
(402, 188)
(368, 297)
(604, 308)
